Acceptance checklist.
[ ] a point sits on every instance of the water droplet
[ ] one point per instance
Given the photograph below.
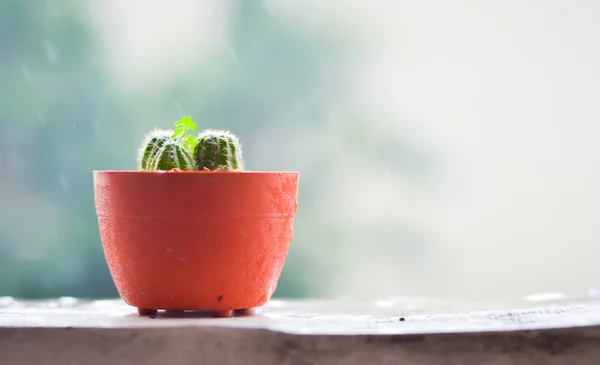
(594, 293)
(270, 7)
(52, 8)
(384, 303)
(7, 302)
(95, 128)
(169, 250)
(16, 160)
(41, 118)
(50, 51)
(26, 73)
(540, 297)
(73, 126)
(67, 301)
(64, 184)
(297, 103)
(280, 8)
(179, 109)
(233, 54)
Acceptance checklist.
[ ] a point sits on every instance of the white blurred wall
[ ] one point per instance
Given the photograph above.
(509, 93)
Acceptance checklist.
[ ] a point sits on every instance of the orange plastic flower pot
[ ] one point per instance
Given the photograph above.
(213, 241)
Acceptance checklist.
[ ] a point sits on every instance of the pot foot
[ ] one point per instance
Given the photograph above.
(222, 314)
(245, 312)
(147, 312)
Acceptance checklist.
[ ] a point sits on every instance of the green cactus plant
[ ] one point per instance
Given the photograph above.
(169, 149)
(213, 150)
(153, 142)
(172, 155)
(218, 150)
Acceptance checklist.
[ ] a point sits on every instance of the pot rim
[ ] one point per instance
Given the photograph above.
(192, 172)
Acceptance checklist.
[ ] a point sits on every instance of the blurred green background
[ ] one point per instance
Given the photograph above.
(62, 117)
(433, 145)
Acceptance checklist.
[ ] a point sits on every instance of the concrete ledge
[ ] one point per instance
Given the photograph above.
(68, 331)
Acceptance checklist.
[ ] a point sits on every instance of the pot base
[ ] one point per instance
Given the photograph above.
(147, 312)
(222, 314)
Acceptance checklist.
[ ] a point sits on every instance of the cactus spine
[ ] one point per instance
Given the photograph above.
(218, 150)
(153, 142)
(170, 156)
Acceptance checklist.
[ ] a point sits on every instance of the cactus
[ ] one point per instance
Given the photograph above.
(218, 150)
(169, 149)
(153, 142)
(177, 150)
(172, 155)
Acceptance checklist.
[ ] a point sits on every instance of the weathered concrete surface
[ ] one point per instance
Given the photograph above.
(68, 331)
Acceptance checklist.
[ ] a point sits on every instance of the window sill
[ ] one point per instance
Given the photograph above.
(421, 331)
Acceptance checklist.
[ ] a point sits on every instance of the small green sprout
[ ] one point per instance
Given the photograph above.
(180, 133)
